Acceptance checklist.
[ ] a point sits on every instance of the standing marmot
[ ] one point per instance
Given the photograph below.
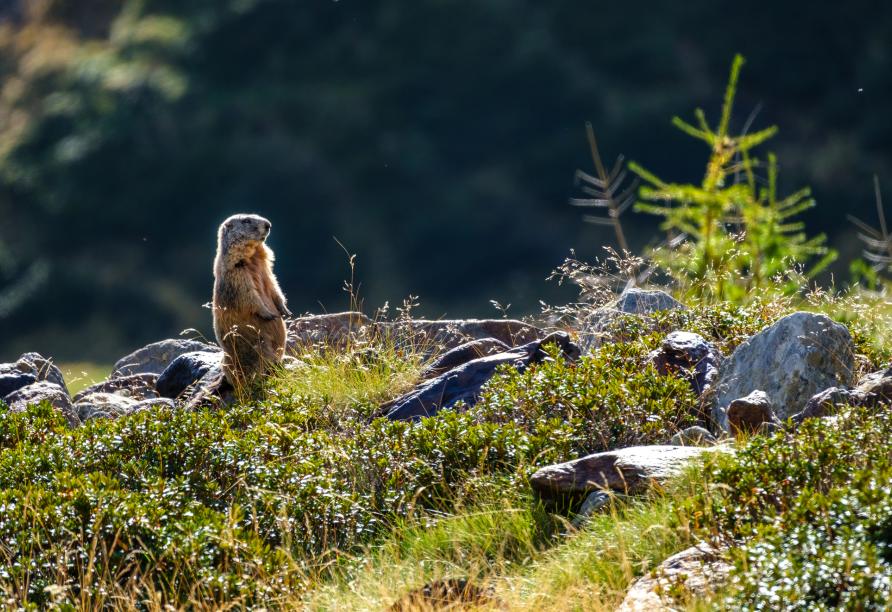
(249, 308)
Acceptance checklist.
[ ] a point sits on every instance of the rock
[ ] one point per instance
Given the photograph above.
(876, 386)
(44, 391)
(107, 405)
(464, 382)
(212, 389)
(643, 301)
(693, 436)
(791, 361)
(697, 572)
(628, 470)
(42, 368)
(13, 379)
(594, 502)
(334, 330)
(154, 403)
(610, 325)
(185, 370)
(824, 403)
(746, 414)
(135, 386)
(463, 354)
(448, 334)
(691, 356)
(155, 357)
(446, 594)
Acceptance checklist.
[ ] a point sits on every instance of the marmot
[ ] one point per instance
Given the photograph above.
(248, 305)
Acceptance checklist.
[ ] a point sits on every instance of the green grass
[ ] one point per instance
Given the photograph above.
(298, 497)
(81, 374)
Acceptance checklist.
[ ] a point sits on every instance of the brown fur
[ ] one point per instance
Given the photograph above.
(249, 307)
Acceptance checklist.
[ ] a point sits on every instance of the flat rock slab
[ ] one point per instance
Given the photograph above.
(696, 572)
(463, 354)
(628, 470)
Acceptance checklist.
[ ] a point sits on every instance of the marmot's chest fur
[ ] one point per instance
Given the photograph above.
(248, 305)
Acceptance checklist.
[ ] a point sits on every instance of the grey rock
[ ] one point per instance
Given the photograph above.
(464, 382)
(628, 470)
(212, 389)
(463, 354)
(693, 436)
(104, 405)
(12, 379)
(446, 334)
(135, 386)
(824, 404)
(746, 414)
(42, 368)
(44, 391)
(594, 502)
(769, 428)
(691, 356)
(155, 357)
(644, 301)
(695, 573)
(112, 406)
(791, 360)
(334, 330)
(184, 371)
(876, 386)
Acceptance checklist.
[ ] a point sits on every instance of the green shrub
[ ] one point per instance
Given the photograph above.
(812, 512)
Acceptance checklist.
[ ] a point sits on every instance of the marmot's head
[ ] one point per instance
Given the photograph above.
(242, 232)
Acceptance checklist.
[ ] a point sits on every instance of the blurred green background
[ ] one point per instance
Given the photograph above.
(436, 139)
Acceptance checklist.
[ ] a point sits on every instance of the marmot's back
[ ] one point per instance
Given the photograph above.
(248, 305)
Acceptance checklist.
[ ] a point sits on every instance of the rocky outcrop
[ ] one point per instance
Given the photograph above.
(790, 361)
(697, 572)
(12, 379)
(628, 470)
(44, 391)
(463, 383)
(688, 355)
(154, 358)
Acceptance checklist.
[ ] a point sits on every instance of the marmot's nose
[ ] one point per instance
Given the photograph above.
(267, 225)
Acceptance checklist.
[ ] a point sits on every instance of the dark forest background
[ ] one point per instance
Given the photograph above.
(435, 139)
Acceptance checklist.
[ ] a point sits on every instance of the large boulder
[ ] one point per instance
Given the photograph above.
(691, 356)
(136, 386)
(44, 391)
(186, 370)
(463, 383)
(790, 361)
(627, 470)
(155, 357)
